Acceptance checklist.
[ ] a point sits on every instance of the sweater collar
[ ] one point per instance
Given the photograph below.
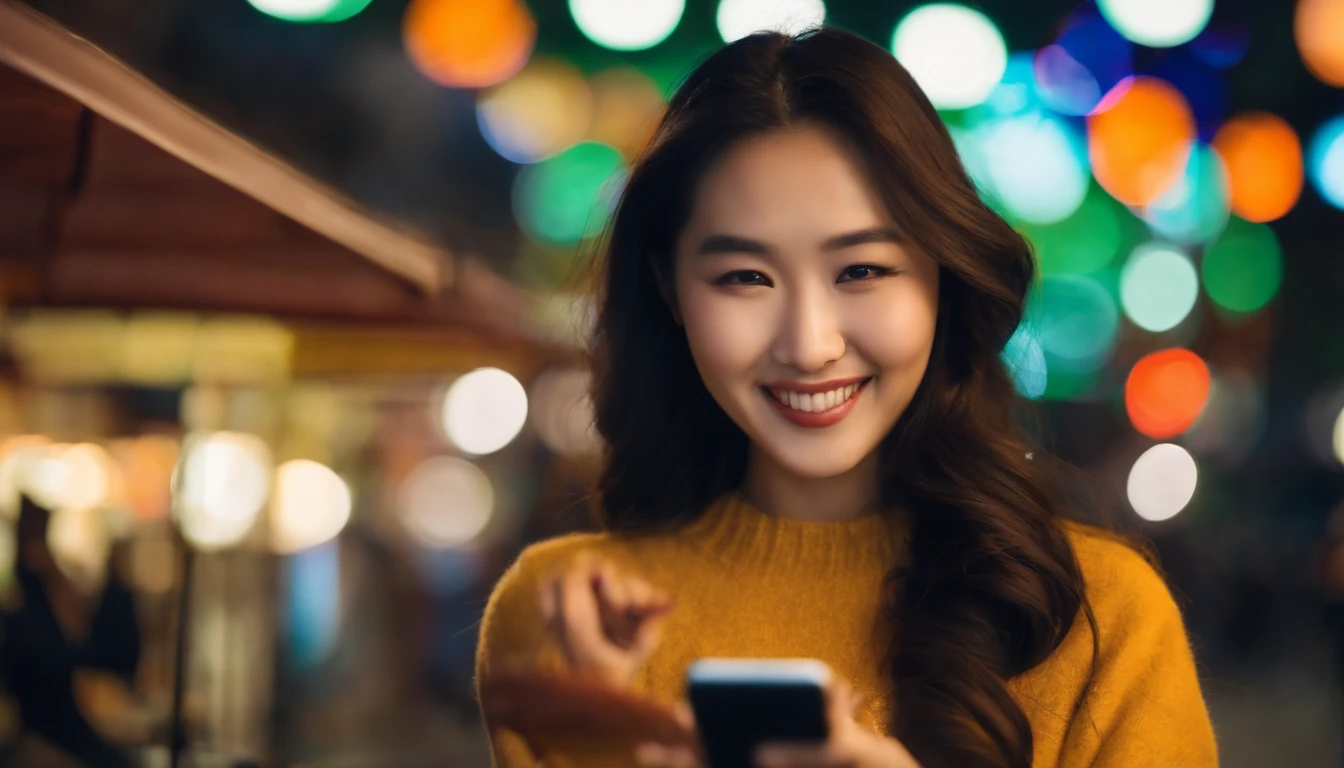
(733, 531)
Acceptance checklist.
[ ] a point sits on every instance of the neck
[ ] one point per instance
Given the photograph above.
(776, 491)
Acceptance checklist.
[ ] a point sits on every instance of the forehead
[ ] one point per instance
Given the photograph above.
(798, 180)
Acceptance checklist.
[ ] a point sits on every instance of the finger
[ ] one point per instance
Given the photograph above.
(653, 755)
(646, 598)
(648, 635)
(577, 610)
(788, 755)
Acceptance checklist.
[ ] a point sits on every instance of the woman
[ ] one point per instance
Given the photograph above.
(812, 450)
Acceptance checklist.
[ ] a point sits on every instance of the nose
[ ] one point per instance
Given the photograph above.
(810, 332)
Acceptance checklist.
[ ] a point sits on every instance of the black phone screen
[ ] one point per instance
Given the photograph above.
(734, 717)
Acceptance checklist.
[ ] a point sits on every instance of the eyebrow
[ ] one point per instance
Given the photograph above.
(715, 244)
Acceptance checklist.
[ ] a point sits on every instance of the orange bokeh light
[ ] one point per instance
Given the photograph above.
(469, 43)
(1166, 391)
(1318, 26)
(1264, 165)
(1140, 139)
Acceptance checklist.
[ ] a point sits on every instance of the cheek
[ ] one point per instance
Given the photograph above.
(727, 335)
(897, 336)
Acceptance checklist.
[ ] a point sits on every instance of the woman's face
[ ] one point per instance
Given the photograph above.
(809, 318)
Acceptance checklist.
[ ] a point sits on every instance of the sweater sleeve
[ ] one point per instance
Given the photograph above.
(512, 636)
(1144, 707)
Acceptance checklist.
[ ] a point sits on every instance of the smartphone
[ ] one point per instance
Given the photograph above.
(740, 703)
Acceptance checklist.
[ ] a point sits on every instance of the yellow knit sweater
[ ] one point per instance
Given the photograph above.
(750, 584)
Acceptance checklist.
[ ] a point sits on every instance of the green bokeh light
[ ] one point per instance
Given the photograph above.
(1076, 321)
(311, 11)
(1086, 241)
(570, 196)
(1158, 287)
(1243, 269)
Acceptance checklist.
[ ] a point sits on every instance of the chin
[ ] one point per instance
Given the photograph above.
(812, 462)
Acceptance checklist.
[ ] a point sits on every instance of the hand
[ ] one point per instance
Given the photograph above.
(605, 623)
(850, 745)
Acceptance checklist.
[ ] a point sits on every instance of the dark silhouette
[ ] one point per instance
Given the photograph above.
(38, 658)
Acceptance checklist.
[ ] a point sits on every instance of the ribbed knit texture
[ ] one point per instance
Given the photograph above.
(748, 584)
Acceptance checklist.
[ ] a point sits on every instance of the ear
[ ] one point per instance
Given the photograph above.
(666, 288)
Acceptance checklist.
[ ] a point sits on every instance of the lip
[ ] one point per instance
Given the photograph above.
(816, 419)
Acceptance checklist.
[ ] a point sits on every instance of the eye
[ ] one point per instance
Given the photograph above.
(863, 272)
(743, 277)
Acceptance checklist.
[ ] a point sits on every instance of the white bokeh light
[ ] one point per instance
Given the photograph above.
(220, 487)
(295, 10)
(446, 502)
(310, 506)
(484, 410)
(70, 476)
(627, 25)
(1157, 23)
(1162, 482)
(1158, 287)
(17, 455)
(738, 18)
(955, 54)
(1338, 437)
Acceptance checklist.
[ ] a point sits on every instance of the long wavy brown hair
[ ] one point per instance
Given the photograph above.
(992, 584)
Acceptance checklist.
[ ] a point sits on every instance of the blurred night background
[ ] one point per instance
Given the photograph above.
(292, 312)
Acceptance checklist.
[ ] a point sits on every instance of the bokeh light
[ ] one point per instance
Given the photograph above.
(1140, 142)
(220, 487)
(570, 196)
(1166, 391)
(1337, 437)
(626, 108)
(1157, 23)
(1034, 165)
(1085, 242)
(1016, 92)
(1076, 322)
(1025, 361)
(468, 43)
(1326, 161)
(956, 54)
(484, 410)
(543, 110)
(17, 454)
(1162, 482)
(324, 11)
(1196, 208)
(80, 543)
(310, 506)
(312, 580)
(1318, 26)
(446, 501)
(1243, 268)
(1264, 165)
(70, 476)
(147, 468)
(1084, 63)
(1158, 287)
(622, 25)
(739, 18)
(562, 411)
(1203, 86)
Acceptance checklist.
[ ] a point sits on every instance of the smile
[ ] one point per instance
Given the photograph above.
(814, 406)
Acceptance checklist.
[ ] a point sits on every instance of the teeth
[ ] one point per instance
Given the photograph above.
(822, 401)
